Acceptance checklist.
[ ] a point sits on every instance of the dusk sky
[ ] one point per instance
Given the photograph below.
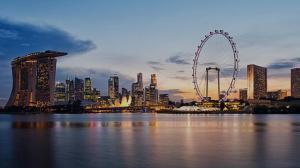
(157, 36)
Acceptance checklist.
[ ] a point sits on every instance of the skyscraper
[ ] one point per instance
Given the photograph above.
(60, 93)
(79, 85)
(34, 79)
(87, 89)
(257, 82)
(138, 91)
(96, 94)
(153, 90)
(70, 96)
(113, 87)
(140, 81)
(295, 82)
(153, 80)
(147, 96)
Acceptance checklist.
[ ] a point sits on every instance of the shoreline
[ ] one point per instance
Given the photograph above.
(157, 112)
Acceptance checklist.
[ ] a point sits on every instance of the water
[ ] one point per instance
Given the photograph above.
(149, 140)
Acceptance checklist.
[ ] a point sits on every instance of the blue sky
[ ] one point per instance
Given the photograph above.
(127, 37)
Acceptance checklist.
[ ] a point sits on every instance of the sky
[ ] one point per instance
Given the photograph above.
(157, 36)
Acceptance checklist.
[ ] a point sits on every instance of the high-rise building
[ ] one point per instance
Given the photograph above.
(138, 91)
(87, 89)
(257, 82)
(295, 82)
(153, 80)
(79, 85)
(153, 95)
(147, 96)
(60, 93)
(243, 94)
(140, 81)
(151, 92)
(70, 96)
(96, 94)
(34, 79)
(113, 87)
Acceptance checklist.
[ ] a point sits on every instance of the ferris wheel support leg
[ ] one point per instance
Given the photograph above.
(219, 83)
(206, 84)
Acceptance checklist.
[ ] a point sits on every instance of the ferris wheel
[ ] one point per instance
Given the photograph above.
(225, 68)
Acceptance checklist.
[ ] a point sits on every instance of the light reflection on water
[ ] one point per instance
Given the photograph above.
(149, 140)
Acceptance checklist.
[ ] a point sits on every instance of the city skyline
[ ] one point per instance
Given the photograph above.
(154, 42)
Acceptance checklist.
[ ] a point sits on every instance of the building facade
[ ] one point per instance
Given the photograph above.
(34, 79)
(113, 87)
(153, 90)
(277, 95)
(87, 89)
(295, 82)
(79, 85)
(96, 94)
(60, 93)
(147, 96)
(164, 99)
(138, 91)
(243, 94)
(257, 82)
(70, 95)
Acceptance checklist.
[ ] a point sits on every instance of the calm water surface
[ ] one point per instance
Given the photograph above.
(149, 140)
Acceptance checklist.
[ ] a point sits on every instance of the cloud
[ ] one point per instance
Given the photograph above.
(154, 63)
(179, 59)
(181, 77)
(228, 72)
(209, 64)
(284, 63)
(157, 68)
(17, 39)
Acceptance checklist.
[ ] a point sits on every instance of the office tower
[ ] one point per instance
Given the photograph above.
(140, 81)
(277, 95)
(257, 82)
(70, 96)
(34, 79)
(153, 90)
(138, 91)
(164, 99)
(96, 94)
(243, 94)
(87, 89)
(79, 85)
(113, 86)
(147, 96)
(295, 82)
(153, 80)
(60, 93)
